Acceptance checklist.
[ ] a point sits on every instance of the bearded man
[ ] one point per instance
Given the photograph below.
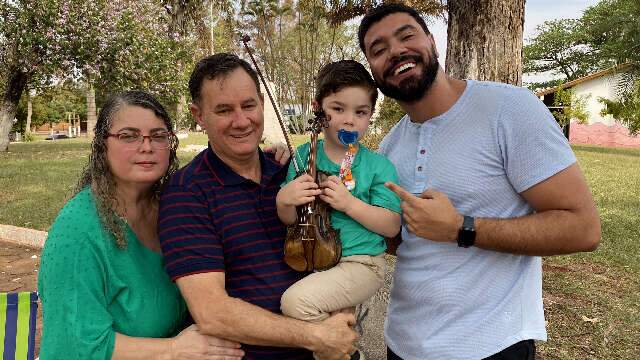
(488, 185)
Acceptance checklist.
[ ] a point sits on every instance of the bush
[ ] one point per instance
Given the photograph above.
(389, 115)
(28, 137)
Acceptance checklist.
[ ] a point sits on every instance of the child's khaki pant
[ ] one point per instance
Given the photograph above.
(351, 282)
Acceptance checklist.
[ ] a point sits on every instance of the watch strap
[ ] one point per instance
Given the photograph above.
(467, 233)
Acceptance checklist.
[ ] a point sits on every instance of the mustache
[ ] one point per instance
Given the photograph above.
(398, 59)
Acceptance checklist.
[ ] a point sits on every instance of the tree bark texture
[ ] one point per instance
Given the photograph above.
(485, 40)
(15, 86)
(91, 111)
(27, 128)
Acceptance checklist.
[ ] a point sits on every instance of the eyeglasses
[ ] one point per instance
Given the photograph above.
(160, 140)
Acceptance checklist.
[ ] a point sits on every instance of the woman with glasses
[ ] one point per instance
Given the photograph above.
(105, 294)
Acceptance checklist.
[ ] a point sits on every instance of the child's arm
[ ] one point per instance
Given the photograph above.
(377, 219)
(299, 191)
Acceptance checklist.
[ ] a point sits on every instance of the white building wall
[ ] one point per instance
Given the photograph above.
(603, 86)
(272, 131)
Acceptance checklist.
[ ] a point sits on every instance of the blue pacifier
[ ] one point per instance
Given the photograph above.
(347, 137)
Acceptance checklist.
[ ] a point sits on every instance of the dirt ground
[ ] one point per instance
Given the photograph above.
(19, 272)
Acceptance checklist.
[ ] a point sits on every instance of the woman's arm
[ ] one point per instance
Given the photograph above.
(190, 344)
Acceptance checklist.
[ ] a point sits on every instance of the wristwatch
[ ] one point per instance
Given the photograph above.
(467, 233)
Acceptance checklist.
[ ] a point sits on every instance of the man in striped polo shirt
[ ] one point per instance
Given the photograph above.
(488, 185)
(220, 234)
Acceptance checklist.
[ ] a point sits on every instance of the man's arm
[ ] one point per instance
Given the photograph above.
(565, 221)
(220, 315)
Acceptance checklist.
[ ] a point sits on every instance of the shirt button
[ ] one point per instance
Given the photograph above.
(419, 168)
(422, 151)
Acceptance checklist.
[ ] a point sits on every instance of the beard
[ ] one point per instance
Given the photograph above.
(411, 89)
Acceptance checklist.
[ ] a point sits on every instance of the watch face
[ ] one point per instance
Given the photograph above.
(465, 238)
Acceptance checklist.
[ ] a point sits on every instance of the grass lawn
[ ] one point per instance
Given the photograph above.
(592, 301)
(37, 178)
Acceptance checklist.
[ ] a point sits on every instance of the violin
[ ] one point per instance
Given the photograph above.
(311, 243)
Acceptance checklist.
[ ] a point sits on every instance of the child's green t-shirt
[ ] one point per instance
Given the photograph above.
(370, 171)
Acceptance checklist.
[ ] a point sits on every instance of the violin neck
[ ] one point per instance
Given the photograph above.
(313, 153)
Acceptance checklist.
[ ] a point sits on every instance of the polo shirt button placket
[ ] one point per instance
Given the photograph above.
(423, 144)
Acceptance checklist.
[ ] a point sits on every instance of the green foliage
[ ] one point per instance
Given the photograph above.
(28, 137)
(31, 37)
(560, 48)
(572, 107)
(626, 110)
(53, 104)
(340, 11)
(607, 34)
(113, 44)
(137, 57)
(389, 114)
(292, 41)
(612, 28)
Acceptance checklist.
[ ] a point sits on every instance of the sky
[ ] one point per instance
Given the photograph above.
(535, 13)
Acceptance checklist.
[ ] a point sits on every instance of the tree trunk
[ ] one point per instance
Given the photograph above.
(180, 106)
(485, 40)
(91, 111)
(9, 102)
(27, 129)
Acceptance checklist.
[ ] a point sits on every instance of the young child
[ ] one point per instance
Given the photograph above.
(364, 210)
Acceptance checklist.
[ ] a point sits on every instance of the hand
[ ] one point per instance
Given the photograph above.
(299, 191)
(430, 216)
(280, 151)
(336, 337)
(336, 194)
(190, 344)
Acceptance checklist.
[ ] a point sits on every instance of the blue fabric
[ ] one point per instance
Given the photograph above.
(11, 327)
(33, 315)
(11, 347)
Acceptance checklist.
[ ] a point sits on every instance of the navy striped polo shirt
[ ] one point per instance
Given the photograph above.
(212, 219)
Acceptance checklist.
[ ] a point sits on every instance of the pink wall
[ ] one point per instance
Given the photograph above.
(603, 135)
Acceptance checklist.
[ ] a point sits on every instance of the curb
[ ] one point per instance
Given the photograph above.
(23, 236)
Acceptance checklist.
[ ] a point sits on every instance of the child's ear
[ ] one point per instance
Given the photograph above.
(315, 105)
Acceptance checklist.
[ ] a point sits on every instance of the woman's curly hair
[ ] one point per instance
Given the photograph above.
(97, 173)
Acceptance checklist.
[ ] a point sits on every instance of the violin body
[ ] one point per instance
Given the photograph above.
(312, 243)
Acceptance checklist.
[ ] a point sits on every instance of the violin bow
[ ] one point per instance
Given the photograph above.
(294, 155)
